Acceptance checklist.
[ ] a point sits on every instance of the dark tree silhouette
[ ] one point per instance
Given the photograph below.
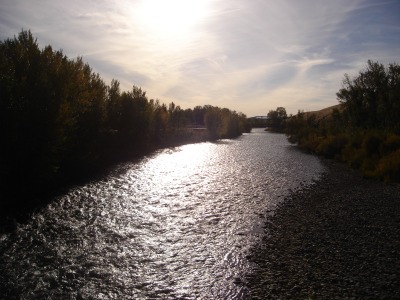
(60, 121)
(276, 119)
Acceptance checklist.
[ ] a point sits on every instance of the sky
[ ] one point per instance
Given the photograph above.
(251, 56)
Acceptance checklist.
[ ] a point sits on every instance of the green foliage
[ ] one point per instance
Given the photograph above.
(276, 119)
(223, 123)
(366, 132)
(331, 146)
(302, 130)
(60, 120)
(372, 99)
(388, 167)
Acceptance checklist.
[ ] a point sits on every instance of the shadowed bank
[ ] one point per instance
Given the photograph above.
(62, 124)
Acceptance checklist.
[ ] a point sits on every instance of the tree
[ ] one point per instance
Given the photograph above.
(276, 119)
(212, 120)
(28, 108)
(60, 121)
(372, 99)
(364, 131)
(159, 122)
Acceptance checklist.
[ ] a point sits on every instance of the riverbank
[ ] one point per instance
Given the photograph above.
(19, 200)
(338, 239)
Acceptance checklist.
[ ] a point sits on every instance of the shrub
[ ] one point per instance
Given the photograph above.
(332, 146)
(388, 167)
(372, 143)
(368, 167)
(390, 144)
(353, 155)
(309, 143)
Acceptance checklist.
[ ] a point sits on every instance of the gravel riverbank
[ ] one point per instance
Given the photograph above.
(338, 239)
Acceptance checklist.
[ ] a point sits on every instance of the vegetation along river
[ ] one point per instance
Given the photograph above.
(176, 224)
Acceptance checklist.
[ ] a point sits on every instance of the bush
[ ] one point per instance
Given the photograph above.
(309, 142)
(372, 144)
(388, 167)
(353, 155)
(390, 144)
(332, 146)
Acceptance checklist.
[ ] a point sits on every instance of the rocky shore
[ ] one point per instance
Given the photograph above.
(339, 239)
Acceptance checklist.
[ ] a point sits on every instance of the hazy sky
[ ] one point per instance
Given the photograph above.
(247, 55)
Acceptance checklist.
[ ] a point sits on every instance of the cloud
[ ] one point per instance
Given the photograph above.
(250, 56)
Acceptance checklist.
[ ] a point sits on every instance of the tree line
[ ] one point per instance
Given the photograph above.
(364, 131)
(60, 120)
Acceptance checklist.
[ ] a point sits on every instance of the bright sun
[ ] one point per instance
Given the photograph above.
(166, 18)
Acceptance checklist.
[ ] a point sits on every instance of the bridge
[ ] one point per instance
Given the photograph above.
(258, 121)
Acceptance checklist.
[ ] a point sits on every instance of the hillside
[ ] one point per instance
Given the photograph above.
(323, 113)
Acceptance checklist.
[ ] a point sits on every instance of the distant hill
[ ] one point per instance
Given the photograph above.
(324, 113)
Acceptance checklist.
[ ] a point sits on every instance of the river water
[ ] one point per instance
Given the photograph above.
(177, 224)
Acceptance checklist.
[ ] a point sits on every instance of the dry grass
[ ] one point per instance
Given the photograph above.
(323, 114)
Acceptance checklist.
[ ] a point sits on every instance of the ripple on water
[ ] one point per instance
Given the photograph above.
(176, 224)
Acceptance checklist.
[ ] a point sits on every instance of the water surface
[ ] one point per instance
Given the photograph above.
(176, 224)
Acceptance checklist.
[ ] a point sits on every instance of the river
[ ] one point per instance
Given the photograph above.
(177, 224)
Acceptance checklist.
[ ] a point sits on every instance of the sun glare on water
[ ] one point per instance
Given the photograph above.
(170, 18)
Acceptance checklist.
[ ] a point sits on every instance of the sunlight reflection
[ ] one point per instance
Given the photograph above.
(170, 18)
(174, 225)
(175, 168)
(188, 156)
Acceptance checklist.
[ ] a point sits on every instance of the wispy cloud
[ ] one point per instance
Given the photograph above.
(250, 56)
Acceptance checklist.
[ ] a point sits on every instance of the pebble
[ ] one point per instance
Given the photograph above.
(338, 239)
